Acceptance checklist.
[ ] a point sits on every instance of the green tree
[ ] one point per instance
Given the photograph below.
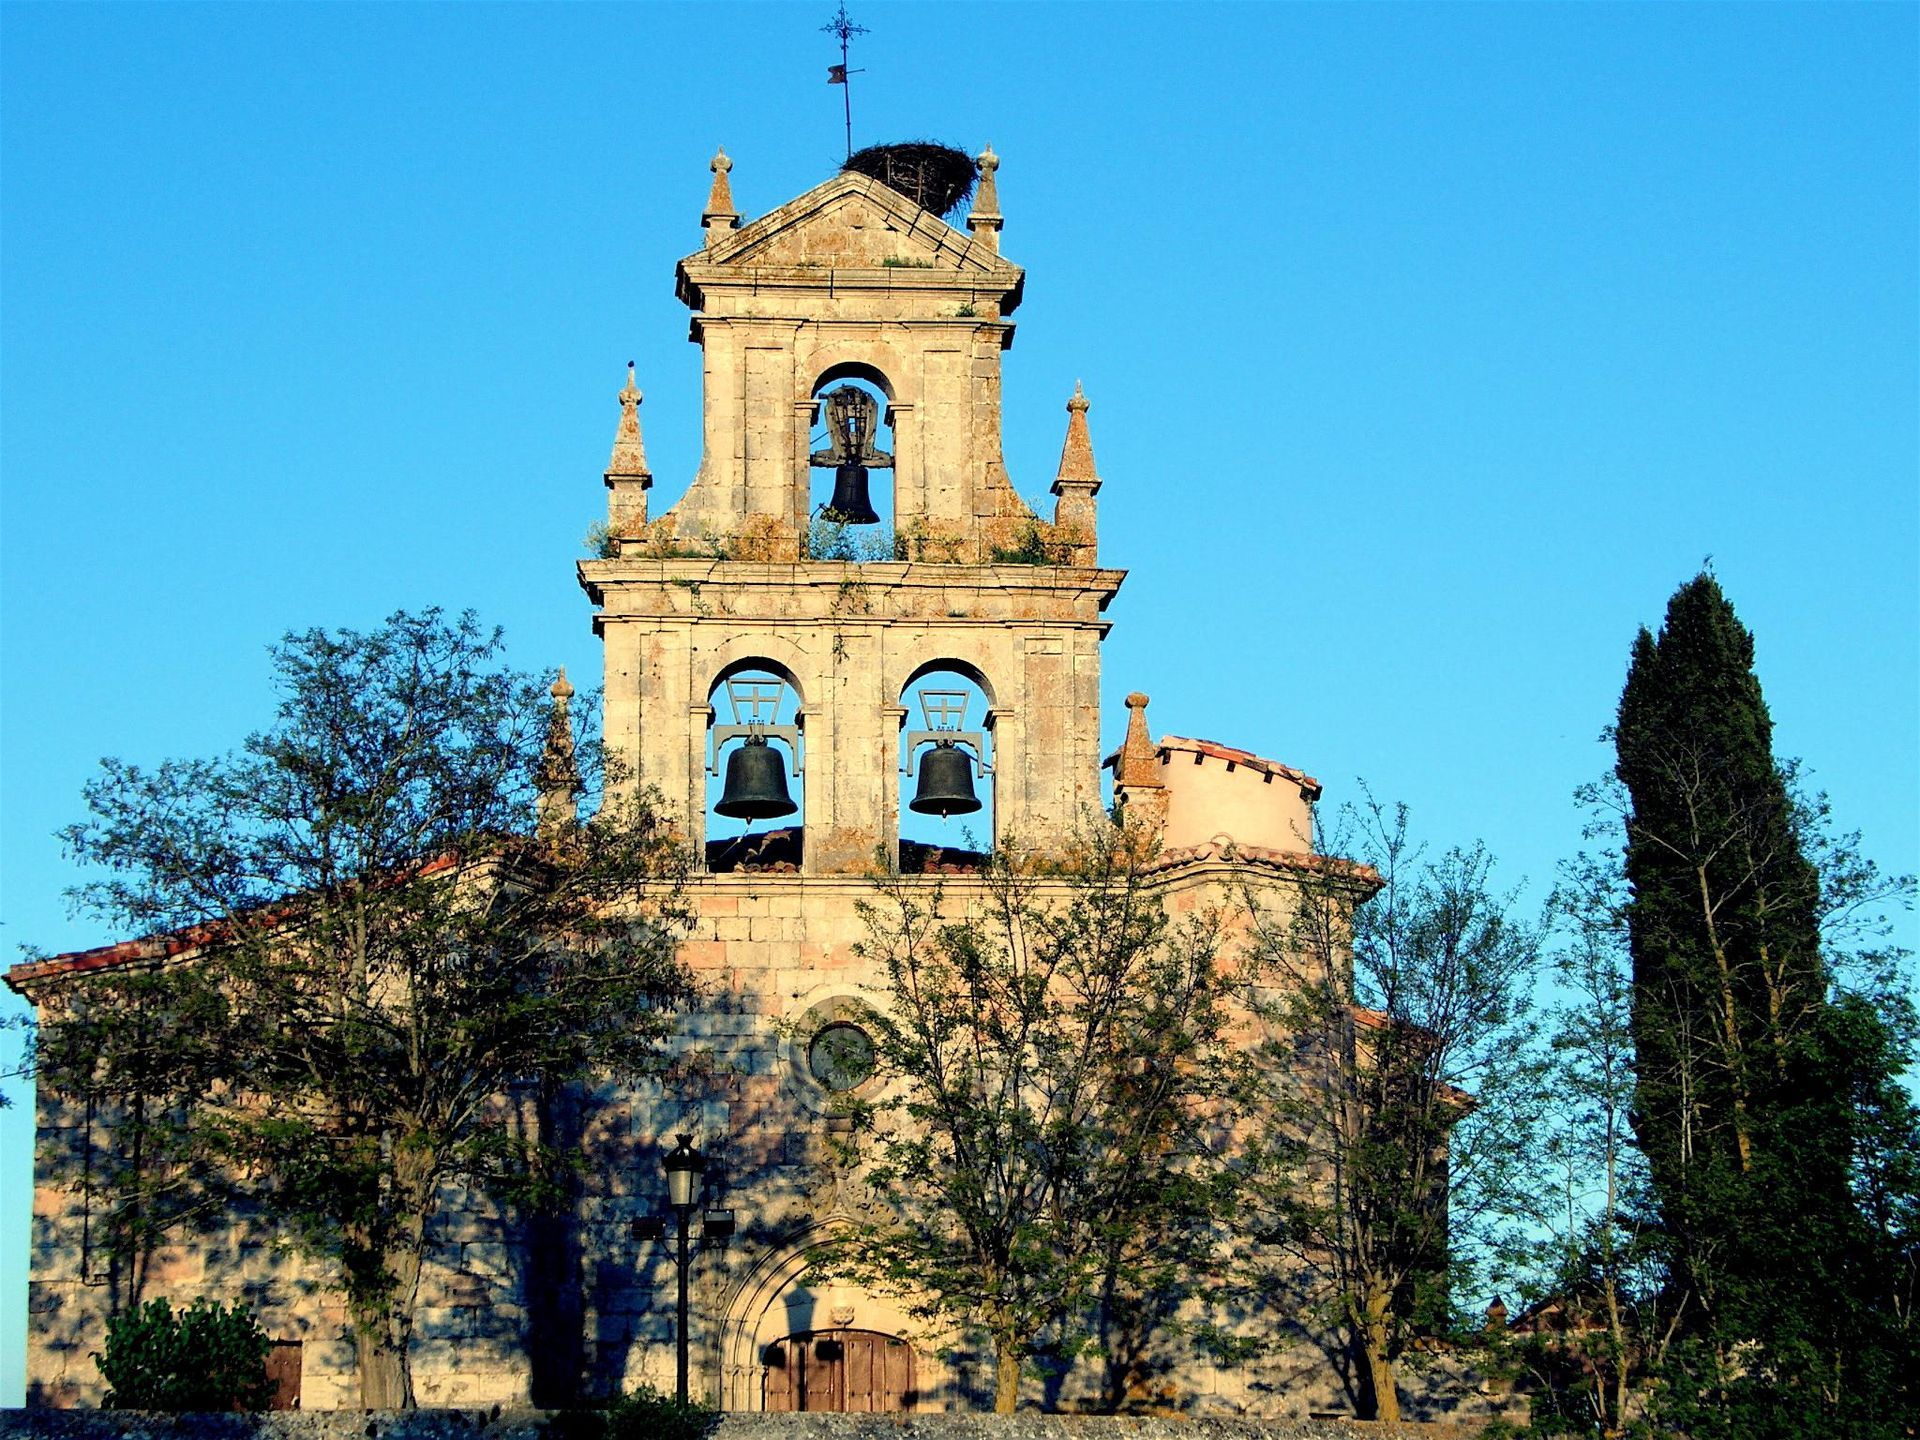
(1588, 1265)
(1761, 1099)
(1057, 1080)
(366, 945)
(1724, 935)
(1406, 1085)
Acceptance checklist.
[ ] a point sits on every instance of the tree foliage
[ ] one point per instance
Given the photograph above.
(1405, 1081)
(1729, 983)
(1588, 1267)
(1058, 1078)
(366, 949)
(643, 1413)
(1778, 1140)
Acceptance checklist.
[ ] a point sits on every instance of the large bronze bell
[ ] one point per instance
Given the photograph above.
(851, 504)
(946, 782)
(756, 783)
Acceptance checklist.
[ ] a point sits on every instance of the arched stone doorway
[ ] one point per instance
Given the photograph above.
(860, 1371)
(777, 1307)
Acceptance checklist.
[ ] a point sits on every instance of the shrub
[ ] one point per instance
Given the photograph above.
(646, 1414)
(832, 539)
(207, 1357)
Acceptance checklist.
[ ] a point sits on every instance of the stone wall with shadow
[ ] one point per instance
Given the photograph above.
(496, 1424)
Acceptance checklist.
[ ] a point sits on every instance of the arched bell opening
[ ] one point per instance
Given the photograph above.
(756, 794)
(850, 452)
(946, 770)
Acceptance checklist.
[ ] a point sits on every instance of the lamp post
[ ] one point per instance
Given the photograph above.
(684, 1166)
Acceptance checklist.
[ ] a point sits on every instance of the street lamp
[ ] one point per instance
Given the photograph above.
(684, 1166)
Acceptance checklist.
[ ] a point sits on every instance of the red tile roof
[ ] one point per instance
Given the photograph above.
(1215, 750)
(151, 949)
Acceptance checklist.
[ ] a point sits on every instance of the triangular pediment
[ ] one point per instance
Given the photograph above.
(853, 222)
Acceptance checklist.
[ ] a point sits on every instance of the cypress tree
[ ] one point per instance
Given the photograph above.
(1749, 1077)
(1724, 935)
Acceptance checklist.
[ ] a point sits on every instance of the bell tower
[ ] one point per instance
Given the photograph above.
(853, 311)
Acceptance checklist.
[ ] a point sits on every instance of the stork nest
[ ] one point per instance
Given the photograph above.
(937, 178)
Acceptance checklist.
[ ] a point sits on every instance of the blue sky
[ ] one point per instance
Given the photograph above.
(1430, 349)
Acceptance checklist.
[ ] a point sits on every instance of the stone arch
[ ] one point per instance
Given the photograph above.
(870, 368)
(770, 1302)
(852, 369)
(752, 654)
(917, 836)
(976, 673)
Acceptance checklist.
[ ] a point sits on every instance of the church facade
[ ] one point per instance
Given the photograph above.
(806, 698)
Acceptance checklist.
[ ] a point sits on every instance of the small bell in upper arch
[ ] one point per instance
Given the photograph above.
(851, 505)
(945, 783)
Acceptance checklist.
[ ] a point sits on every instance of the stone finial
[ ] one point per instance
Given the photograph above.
(986, 200)
(984, 219)
(627, 476)
(1140, 796)
(1076, 483)
(558, 778)
(629, 451)
(719, 216)
(1139, 762)
(1076, 456)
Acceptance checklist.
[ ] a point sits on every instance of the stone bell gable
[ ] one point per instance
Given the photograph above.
(853, 281)
(850, 280)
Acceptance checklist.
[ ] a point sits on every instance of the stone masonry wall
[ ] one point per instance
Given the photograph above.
(515, 1306)
(491, 1424)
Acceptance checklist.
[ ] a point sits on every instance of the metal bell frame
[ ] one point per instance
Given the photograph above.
(944, 712)
(754, 703)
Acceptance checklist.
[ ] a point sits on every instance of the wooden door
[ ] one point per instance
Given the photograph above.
(839, 1370)
(283, 1374)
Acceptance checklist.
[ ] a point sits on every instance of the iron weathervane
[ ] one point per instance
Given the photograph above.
(843, 27)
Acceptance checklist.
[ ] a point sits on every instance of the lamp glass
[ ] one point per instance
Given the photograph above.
(683, 1165)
